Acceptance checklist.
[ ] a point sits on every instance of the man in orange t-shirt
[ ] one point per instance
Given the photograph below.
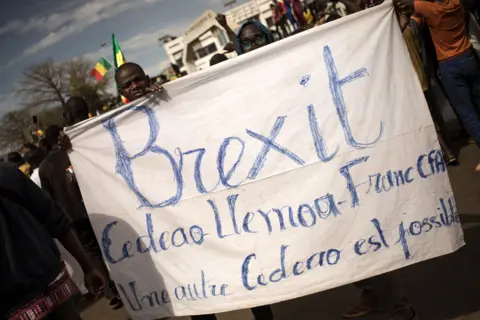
(459, 69)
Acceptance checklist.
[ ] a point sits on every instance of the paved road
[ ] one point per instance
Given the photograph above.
(444, 288)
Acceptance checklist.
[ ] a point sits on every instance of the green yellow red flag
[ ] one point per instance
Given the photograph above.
(101, 68)
(118, 59)
(118, 56)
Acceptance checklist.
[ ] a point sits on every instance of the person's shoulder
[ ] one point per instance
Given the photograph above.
(8, 174)
(56, 160)
(7, 168)
(55, 156)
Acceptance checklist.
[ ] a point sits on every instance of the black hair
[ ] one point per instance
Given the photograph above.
(175, 68)
(16, 158)
(128, 65)
(52, 133)
(78, 108)
(217, 58)
(332, 17)
(35, 157)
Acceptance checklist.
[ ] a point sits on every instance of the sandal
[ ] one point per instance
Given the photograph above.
(116, 303)
(366, 305)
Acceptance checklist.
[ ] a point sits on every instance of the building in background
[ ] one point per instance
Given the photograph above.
(205, 37)
(253, 9)
(201, 40)
(173, 47)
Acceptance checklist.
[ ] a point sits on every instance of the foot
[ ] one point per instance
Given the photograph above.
(366, 305)
(451, 159)
(404, 313)
(116, 303)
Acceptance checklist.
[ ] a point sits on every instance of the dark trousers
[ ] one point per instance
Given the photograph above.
(283, 24)
(461, 79)
(389, 294)
(65, 311)
(440, 125)
(260, 313)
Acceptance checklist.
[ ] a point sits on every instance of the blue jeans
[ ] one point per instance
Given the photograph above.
(461, 79)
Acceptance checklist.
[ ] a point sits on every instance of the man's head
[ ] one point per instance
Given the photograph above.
(217, 58)
(132, 81)
(51, 135)
(15, 158)
(77, 110)
(253, 35)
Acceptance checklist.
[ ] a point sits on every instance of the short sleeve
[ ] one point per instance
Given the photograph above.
(424, 8)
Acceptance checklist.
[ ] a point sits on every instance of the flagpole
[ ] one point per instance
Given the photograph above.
(115, 64)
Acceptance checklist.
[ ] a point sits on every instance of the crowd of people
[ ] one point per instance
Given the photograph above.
(35, 280)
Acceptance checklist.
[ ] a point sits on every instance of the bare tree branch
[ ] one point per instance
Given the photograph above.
(16, 128)
(49, 85)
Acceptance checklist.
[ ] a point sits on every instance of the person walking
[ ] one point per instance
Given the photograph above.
(280, 18)
(298, 11)
(459, 68)
(58, 181)
(289, 13)
(34, 282)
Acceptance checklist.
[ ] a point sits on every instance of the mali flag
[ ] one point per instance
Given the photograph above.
(101, 68)
(118, 59)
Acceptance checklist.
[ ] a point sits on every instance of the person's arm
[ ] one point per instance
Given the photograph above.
(403, 19)
(57, 223)
(64, 142)
(222, 20)
(54, 182)
(424, 8)
(404, 10)
(44, 181)
(94, 279)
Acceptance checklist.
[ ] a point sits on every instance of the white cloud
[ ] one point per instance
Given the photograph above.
(11, 26)
(60, 25)
(140, 44)
(8, 103)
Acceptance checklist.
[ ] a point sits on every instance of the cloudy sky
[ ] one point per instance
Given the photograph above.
(32, 31)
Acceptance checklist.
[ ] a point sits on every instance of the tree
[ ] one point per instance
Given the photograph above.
(80, 82)
(49, 84)
(51, 116)
(16, 128)
(43, 85)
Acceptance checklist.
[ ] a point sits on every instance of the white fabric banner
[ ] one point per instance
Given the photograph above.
(303, 166)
